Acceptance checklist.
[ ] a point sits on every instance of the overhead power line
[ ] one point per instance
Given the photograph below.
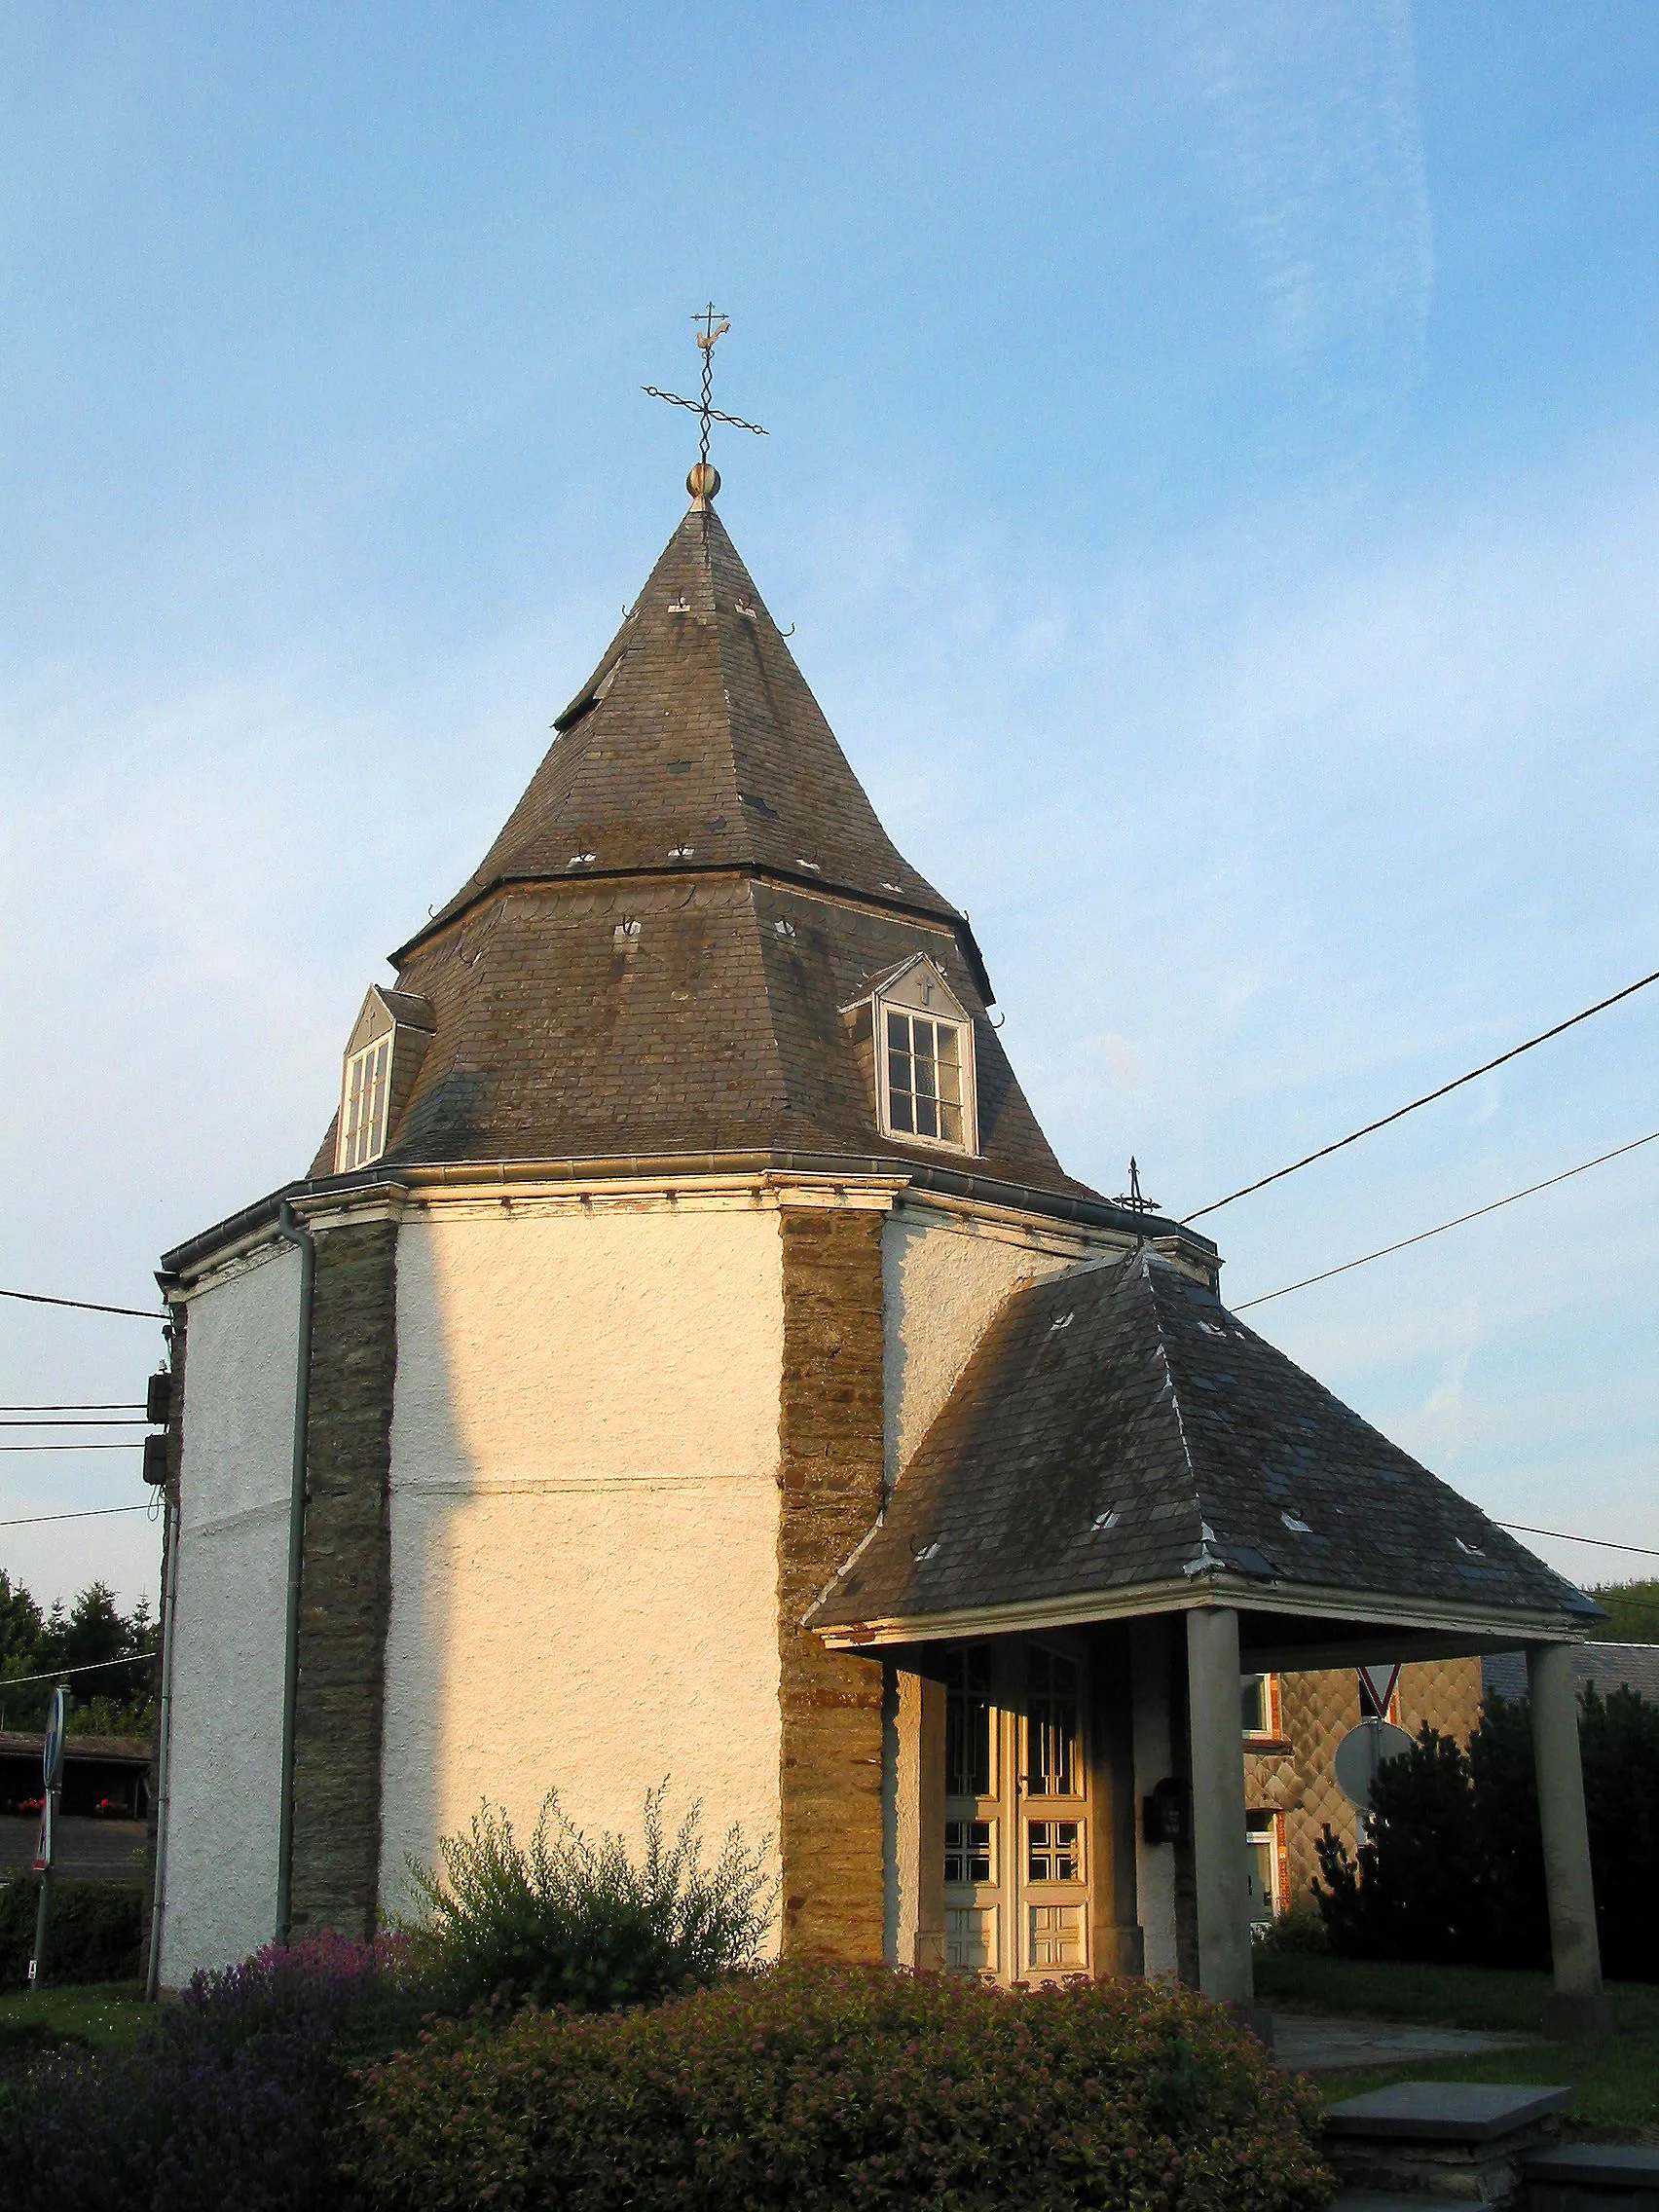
(1602, 1543)
(1427, 1099)
(80, 1420)
(1423, 1234)
(92, 1667)
(111, 1406)
(83, 1304)
(86, 1513)
(127, 1444)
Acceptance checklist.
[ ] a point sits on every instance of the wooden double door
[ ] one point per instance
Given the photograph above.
(1016, 1843)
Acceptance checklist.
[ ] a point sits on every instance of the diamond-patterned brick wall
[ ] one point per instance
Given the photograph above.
(831, 1432)
(1319, 1710)
(1443, 1692)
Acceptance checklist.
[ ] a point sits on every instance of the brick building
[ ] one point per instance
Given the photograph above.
(685, 1356)
(1293, 1725)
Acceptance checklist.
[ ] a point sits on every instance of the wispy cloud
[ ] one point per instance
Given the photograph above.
(1317, 140)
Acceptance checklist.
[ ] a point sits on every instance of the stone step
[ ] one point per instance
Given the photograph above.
(1468, 2141)
(1594, 2177)
(1379, 2200)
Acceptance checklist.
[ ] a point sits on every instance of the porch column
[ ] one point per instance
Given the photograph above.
(1579, 2007)
(1218, 1805)
(931, 1948)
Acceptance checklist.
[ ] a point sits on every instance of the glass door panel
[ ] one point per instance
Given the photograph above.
(1053, 1875)
(974, 1825)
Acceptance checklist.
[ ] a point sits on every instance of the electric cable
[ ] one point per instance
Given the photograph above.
(86, 1513)
(83, 1304)
(82, 1421)
(1427, 1099)
(127, 1444)
(108, 1406)
(1602, 1543)
(1423, 1234)
(92, 1667)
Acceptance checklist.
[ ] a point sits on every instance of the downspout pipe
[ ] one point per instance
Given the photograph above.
(163, 1730)
(289, 1229)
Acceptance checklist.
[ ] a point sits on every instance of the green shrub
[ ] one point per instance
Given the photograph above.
(824, 2088)
(94, 1935)
(1296, 1931)
(1453, 1869)
(577, 1924)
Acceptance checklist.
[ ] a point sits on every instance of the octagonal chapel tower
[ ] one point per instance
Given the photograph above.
(667, 1195)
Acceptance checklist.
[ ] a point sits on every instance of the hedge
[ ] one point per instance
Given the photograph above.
(840, 2090)
(1452, 1867)
(93, 1936)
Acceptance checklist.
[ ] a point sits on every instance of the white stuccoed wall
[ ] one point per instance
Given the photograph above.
(225, 1762)
(944, 1276)
(584, 1520)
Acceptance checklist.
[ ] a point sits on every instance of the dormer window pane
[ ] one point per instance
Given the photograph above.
(362, 1124)
(924, 1076)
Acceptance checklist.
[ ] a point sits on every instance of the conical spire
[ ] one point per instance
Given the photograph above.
(695, 745)
(664, 954)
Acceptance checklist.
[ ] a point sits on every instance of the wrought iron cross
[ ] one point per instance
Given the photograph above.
(714, 326)
(1132, 1199)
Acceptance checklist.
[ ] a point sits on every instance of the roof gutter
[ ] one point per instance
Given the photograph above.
(919, 1175)
(1351, 1614)
(289, 1229)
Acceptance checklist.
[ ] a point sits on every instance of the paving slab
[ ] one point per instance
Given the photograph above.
(1633, 2166)
(1594, 2177)
(1446, 2111)
(1308, 2043)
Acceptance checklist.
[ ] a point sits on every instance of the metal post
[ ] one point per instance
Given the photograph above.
(43, 1918)
(1579, 2005)
(52, 1776)
(1225, 1970)
(174, 1527)
(289, 1227)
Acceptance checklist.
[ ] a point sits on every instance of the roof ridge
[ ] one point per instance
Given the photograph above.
(1203, 1559)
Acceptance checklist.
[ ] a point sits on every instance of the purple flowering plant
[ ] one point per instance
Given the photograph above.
(228, 2101)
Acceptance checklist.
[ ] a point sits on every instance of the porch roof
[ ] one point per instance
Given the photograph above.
(1121, 1443)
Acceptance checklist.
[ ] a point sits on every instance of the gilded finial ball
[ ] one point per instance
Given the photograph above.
(703, 482)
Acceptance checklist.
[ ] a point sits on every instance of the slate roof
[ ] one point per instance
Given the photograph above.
(1608, 1666)
(653, 957)
(1117, 1426)
(697, 730)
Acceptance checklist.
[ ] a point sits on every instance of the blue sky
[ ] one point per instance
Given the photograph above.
(1214, 477)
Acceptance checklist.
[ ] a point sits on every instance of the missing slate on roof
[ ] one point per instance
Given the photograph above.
(757, 805)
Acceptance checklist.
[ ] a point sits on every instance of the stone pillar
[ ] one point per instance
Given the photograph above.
(830, 1429)
(345, 1595)
(1578, 2007)
(1218, 1805)
(1118, 1947)
(1151, 1666)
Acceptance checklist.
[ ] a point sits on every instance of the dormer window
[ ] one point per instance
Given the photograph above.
(922, 1040)
(363, 1104)
(924, 1076)
(382, 1058)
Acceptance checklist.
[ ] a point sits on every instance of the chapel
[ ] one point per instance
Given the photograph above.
(686, 1361)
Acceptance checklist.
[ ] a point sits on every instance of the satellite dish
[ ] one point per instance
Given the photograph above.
(1361, 1752)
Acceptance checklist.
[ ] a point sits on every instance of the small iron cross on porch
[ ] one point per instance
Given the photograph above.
(704, 482)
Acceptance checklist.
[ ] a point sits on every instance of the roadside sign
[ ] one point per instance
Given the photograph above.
(42, 1837)
(1382, 1682)
(1361, 1752)
(57, 1722)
